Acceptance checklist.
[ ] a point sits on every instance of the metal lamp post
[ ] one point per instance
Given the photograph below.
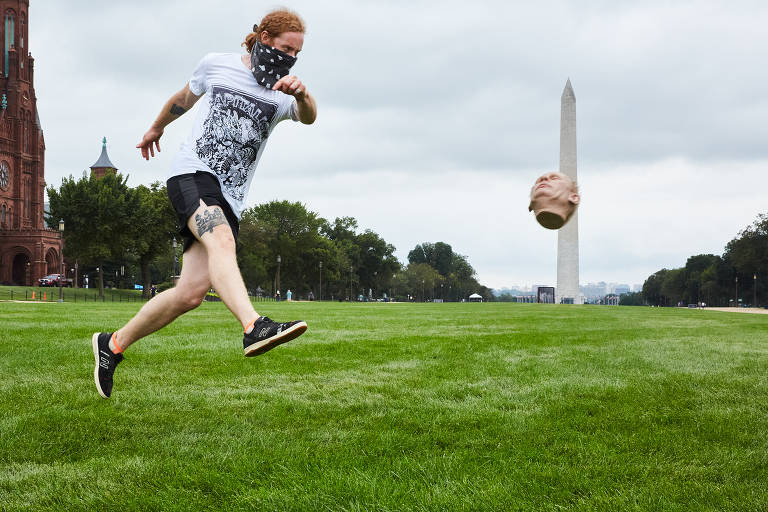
(61, 237)
(279, 260)
(175, 261)
(422, 291)
(350, 283)
(754, 290)
(321, 281)
(736, 299)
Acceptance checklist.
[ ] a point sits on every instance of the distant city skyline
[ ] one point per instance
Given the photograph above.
(590, 290)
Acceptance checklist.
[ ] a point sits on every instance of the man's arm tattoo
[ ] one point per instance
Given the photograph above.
(177, 110)
(210, 218)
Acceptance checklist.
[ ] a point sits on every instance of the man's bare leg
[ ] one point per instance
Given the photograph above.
(210, 227)
(166, 306)
(212, 259)
(158, 312)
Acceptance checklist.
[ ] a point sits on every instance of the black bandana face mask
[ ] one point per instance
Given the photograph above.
(269, 64)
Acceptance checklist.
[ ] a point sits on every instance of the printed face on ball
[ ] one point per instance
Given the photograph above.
(554, 198)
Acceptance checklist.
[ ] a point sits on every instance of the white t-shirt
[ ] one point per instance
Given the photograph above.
(233, 122)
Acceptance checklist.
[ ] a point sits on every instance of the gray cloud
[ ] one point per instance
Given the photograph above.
(413, 93)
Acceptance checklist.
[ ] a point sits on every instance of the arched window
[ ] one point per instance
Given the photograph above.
(9, 39)
(22, 54)
(27, 120)
(27, 199)
(2, 216)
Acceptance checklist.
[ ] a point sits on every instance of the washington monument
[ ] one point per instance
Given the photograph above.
(567, 290)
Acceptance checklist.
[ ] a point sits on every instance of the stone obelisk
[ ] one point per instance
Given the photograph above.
(567, 290)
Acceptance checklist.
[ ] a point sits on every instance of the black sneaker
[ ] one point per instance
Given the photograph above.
(267, 334)
(106, 362)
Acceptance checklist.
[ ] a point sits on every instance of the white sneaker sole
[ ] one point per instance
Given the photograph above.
(278, 339)
(95, 343)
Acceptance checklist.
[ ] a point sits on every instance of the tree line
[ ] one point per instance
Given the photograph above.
(281, 246)
(738, 277)
(107, 222)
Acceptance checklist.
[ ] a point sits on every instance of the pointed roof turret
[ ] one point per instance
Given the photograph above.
(103, 164)
(103, 160)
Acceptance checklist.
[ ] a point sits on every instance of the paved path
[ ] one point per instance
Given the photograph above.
(31, 301)
(759, 311)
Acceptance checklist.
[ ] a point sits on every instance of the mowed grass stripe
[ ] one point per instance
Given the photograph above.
(389, 407)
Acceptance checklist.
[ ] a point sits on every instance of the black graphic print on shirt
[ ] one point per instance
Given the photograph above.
(233, 132)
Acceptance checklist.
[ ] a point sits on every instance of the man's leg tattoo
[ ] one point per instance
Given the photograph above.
(210, 218)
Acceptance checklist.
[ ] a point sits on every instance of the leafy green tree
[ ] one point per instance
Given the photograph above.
(673, 287)
(458, 275)
(253, 251)
(694, 268)
(154, 226)
(342, 229)
(652, 288)
(462, 279)
(713, 279)
(631, 299)
(420, 254)
(705, 278)
(377, 262)
(98, 215)
(370, 257)
(747, 253)
(342, 277)
(438, 255)
(715, 283)
(303, 240)
(286, 229)
(421, 279)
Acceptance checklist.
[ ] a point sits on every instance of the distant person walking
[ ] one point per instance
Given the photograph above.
(246, 96)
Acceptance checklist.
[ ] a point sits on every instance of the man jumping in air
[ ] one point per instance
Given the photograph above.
(246, 96)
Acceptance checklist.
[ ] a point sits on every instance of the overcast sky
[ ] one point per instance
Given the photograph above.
(436, 117)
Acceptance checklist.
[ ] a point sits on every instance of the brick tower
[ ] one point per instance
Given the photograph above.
(103, 165)
(28, 250)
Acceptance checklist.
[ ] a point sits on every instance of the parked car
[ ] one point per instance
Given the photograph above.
(54, 280)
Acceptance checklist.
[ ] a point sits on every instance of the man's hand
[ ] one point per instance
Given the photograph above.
(179, 103)
(151, 137)
(292, 86)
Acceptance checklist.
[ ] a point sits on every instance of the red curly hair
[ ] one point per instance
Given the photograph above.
(275, 23)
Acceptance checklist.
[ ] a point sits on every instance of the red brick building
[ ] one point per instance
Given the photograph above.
(28, 250)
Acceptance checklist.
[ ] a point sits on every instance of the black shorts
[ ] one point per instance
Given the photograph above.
(185, 192)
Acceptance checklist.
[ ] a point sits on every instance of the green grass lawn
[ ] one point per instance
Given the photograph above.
(51, 294)
(389, 407)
